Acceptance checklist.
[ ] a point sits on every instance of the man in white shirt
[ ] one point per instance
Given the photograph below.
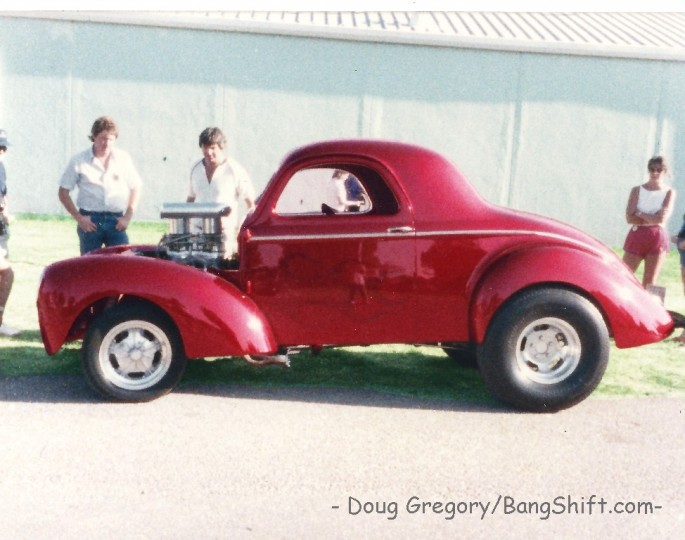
(216, 178)
(108, 189)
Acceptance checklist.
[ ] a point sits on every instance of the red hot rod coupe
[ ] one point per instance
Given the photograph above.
(356, 243)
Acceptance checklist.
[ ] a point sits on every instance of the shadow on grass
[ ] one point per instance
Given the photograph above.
(356, 376)
(24, 355)
(349, 376)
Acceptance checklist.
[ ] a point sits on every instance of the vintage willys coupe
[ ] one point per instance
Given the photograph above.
(356, 243)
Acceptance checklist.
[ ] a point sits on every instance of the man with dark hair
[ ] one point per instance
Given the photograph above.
(217, 178)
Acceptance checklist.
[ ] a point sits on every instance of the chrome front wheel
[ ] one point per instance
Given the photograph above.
(132, 352)
(135, 355)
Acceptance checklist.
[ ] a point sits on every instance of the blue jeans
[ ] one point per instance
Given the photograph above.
(106, 233)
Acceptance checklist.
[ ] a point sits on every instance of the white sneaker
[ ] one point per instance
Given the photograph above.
(9, 331)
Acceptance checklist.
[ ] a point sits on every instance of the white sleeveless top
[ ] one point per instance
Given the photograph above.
(650, 202)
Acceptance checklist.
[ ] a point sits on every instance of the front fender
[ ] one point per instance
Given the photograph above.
(634, 316)
(213, 317)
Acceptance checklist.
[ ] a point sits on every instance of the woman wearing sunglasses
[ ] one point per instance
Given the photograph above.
(648, 210)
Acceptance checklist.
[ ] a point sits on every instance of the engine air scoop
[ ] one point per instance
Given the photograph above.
(195, 234)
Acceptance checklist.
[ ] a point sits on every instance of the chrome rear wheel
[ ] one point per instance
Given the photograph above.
(545, 349)
(548, 350)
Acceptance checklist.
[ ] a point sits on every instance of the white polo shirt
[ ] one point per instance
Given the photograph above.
(100, 189)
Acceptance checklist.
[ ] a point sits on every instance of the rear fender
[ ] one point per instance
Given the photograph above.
(213, 317)
(634, 317)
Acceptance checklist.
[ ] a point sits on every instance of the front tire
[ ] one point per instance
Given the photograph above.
(545, 350)
(132, 352)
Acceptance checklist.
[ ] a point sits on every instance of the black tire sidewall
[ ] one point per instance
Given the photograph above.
(496, 356)
(93, 341)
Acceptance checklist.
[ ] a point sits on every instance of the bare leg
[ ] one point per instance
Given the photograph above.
(681, 337)
(632, 261)
(6, 280)
(653, 264)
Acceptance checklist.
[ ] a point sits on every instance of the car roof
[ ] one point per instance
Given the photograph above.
(433, 184)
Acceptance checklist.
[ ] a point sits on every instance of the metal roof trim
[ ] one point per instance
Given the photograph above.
(207, 21)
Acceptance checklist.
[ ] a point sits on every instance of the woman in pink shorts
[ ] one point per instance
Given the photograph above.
(649, 207)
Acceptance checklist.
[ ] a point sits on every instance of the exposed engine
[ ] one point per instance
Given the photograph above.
(195, 235)
(196, 238)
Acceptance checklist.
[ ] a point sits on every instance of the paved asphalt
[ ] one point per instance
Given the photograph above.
(229, 462)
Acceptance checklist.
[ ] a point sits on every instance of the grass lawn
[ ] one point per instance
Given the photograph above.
(653, 370)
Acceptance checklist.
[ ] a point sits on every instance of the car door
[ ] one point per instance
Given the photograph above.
(333, 259)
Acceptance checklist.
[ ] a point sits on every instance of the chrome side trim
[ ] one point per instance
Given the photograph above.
(514, 232)
(287, 237)
(425, 234)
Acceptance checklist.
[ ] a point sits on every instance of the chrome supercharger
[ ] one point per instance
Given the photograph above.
(195, 234)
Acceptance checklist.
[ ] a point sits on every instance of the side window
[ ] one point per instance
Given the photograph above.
(334, 190)
(324, 190)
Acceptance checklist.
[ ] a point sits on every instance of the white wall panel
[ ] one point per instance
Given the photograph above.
(564, 136)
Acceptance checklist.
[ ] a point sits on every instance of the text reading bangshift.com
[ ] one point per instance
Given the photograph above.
(590, 505)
